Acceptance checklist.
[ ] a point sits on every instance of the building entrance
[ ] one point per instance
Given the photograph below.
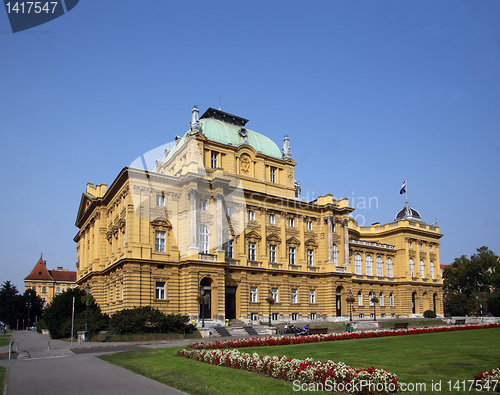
(230, 303)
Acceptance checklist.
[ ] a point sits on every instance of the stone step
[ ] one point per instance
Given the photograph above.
(221, 331)
(250, 330)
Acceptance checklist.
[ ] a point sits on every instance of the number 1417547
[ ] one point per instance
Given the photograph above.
(31, 6)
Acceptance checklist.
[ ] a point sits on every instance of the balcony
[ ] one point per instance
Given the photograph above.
(207, 257)
(371, 244)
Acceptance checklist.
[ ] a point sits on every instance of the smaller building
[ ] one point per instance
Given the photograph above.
(48, 283)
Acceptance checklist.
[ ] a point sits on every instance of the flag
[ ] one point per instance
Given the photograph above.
(403, 188)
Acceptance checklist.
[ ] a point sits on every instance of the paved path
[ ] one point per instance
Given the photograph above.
(38, 370)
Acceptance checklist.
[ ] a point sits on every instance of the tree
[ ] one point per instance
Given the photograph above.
(57, 316)
(11, 305)
(469, 283)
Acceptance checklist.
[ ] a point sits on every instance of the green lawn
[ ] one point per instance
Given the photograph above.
(2, 378)
(4, 340)
(424, 358)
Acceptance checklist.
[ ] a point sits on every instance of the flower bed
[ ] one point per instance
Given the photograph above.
(488, 381)
(285, 340)
(304, 373)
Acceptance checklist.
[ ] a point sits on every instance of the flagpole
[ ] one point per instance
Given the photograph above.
(406, 191)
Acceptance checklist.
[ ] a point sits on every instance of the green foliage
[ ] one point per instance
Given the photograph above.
(470, 283)
(429, 314)
(11, 305)
(149, 320)
(57, 315)
(14, 306)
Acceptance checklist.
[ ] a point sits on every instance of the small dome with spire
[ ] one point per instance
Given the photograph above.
(408, 213)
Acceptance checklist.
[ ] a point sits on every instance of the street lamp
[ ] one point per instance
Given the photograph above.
(270, 296)
(202, 295)
(29, 308)
(87, 291)
(350, 305)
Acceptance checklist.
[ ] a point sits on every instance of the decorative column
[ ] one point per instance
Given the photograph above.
(329, 222)
(192, 193)
(345, 224)
(218, 202)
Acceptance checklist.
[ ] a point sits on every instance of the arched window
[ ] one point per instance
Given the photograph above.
(202, 237)
(360, 299)
(380, 267)
(370, 296)
(357, 264)
(391, 299)
(335, 251)
(58, 290)
(388, 264)
(412, 274)
(432, 270)
(381, 298)
(422, 268)
(368, 262)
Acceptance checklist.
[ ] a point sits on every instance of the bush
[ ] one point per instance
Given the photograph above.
(57, 315)
(149, 320)
(429, 314)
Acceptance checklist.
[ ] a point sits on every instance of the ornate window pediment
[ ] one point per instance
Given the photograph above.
(161, 224)
(293, 242)
(253, 237)
(273, 238)
(311, 243)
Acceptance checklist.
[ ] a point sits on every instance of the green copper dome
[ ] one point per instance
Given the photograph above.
(227, 133)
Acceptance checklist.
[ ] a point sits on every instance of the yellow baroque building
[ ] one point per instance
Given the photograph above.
(49, 283)
(220, 213)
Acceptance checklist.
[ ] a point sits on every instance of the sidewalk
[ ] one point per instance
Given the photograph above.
(38, 370)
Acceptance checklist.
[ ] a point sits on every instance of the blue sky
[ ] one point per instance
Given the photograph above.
(375, 91)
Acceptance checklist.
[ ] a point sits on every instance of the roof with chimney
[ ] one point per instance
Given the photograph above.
(41, 273)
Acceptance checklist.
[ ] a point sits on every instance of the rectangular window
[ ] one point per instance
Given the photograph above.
(253, 294)
(411, 245)
(421, 247)
(294, 296)
(272, 254)
(295, 316)
(274, 293)
(203, 205)
(276, 316)
(254, 316)
(291, 222)
(160, 200)
(312, 296)
(272, 219)
(229, 212)
(313, 316)
(309, 225)
(273, 175)
(251, 215)
(291, 255)
(361, 315)
(214, 160)
(310, 257)
(160, 290)
(430, 248)
(229, 249)
(251, 251)
(159, 241)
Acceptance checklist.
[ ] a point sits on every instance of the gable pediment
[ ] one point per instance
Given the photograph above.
(85, 202)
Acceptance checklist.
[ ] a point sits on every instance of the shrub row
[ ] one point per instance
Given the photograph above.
(149, 320)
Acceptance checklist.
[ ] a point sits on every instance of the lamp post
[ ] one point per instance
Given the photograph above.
(270, 296)
(375, 300)
(29, 308)
(87, 291)
(350, 305)
(202, 296)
